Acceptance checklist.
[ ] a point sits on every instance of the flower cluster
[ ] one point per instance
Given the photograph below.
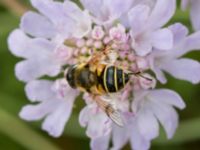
(61, 34)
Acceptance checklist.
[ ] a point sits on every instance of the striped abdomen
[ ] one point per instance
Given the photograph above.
(113, 79)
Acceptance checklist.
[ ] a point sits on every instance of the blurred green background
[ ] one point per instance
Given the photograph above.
(16, 134)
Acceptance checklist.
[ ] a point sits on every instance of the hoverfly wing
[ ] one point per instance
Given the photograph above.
(111, 112)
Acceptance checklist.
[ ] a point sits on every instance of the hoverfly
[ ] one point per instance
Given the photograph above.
(99, 78)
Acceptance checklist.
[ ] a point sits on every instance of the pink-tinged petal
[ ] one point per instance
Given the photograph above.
(43, 27)
(162, 13)
(185, 4)
(34, 68)
(138, 16)
(101, 143)
(120, 137)
(37, 112)
(167, 116)
(195, 14)
(55, 122)
(162, 39)
(179, 32)
(185, 69)
(39, 90)
(138, 142)
(147, 123)
(168, 97)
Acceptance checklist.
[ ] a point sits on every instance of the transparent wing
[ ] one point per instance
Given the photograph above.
(110, 110)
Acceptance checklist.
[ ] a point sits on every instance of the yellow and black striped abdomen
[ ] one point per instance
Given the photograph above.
(113, 79)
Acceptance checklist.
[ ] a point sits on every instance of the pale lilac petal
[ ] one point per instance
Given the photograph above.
(167, 116)
(195, 14)
(138, 16)
(43, 27)
(162, 13)
(184, 4)
(84, 116)
(159, 74)
(179, 32)
(97, 122)
(142, 47)
(17, 43)
(101, 143)
(185, 69)
(147, 123)
(34, 68)
(56, 12)
(23, 46)
(93, 6)
(191, 43)
(39, 90)
(168, 97)
(82, 19)
(55, 122)
(137, 141)
(120, 137)
(162, 39)
(37, 112)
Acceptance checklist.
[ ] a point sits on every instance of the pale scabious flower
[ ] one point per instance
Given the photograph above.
(62, 34)
(194, 6)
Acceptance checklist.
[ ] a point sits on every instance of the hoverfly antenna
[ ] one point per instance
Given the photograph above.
(139, 74)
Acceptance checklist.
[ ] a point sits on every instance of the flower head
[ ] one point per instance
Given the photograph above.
(65, 35)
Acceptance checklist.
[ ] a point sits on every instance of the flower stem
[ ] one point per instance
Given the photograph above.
(14, 6)
(18, 131)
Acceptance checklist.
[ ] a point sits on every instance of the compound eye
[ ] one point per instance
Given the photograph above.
(70, 76)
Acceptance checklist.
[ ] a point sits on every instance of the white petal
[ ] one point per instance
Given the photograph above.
(39, 90)
(195, 14)
(147, 123)
(162, 13)
(137, 18)
(120, 137)
(162, 39)
(55, 122)
(185, 69)
(43, 27)
(101, 143)
(167, 116)
(167, 96)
